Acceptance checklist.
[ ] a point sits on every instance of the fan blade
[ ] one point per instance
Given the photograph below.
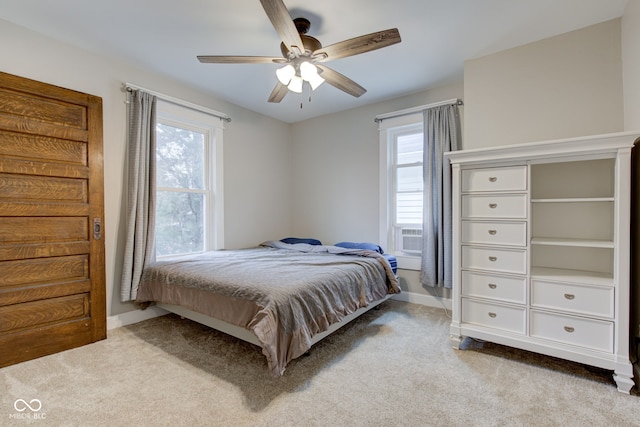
(340, 81)
(278, 92)
(358, 45)
(219, 59)
(282, 22)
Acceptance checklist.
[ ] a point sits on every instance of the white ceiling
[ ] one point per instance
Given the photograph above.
(437, 37)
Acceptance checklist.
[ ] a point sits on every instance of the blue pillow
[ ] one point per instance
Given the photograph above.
(294, 240)
(361, 245)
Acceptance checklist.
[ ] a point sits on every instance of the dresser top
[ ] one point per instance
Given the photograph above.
(606, 145)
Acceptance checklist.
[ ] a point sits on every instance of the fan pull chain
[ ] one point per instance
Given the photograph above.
(310, 92)
(308, 99)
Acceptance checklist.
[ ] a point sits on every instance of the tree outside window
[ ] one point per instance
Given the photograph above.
(181, 190)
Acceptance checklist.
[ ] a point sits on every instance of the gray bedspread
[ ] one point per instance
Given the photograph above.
(284, 294)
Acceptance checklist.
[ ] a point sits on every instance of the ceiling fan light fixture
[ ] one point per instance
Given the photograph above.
(285, 74)
(315, 81)
(307, 71)
(295, 85)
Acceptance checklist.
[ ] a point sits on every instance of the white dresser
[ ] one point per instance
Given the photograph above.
(541, 249)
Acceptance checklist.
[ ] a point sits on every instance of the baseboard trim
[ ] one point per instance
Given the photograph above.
(134, 316)
(422, 299)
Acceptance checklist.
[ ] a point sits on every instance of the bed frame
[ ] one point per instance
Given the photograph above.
(246, 335)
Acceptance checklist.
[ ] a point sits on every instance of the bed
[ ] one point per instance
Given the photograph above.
(283, 296)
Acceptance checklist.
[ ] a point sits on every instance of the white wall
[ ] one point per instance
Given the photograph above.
(257, 149)
(335, 169)
(564, 86)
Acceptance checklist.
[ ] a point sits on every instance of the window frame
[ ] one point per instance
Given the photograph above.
(389, 130)
(211, 127)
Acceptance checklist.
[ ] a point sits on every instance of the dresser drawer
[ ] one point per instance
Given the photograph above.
(508, 261)
(588, 333)
(495, 206)
(497, 233)
(510, 178)
(590, 300)
(510, 289)
(495, 316)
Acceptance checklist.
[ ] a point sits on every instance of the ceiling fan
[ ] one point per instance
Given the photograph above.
(302, 54)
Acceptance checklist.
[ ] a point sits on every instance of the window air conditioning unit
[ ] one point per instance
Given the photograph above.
(410, 240)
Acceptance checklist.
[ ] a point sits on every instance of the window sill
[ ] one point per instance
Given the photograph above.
(408, 262)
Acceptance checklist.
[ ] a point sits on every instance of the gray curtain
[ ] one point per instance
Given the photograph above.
(141, 142)
(441, 134)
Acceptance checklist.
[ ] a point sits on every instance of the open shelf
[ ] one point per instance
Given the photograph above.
(568, 220)
(571, 276)
(577, 257)
(587, 179)
(574, 200)
(583, 243)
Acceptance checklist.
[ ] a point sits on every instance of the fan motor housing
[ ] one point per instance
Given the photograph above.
(309, 43)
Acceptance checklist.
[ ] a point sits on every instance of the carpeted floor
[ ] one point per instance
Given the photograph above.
(391, 367)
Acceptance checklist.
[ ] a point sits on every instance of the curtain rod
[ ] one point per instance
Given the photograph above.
(381, 117)
(131, 87)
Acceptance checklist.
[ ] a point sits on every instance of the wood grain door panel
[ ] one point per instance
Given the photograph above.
(52, 278)
(43, 270)
(27, 187)
(43, 149)
(34, 108)
(17, 317)
(47, 229)
(37, 292)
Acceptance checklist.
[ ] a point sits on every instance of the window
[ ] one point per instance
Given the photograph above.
(401, 164)
(188, 181)
(407, 178)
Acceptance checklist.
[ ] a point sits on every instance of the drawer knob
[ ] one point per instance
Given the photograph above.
(492, 285)
(493, 205)
(569, 329)
(493, 178)
(492, 315)
(493, 232)
(569, 296)
(493, 258)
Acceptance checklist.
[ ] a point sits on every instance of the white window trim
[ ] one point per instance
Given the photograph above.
(212, 127)
(405, 262)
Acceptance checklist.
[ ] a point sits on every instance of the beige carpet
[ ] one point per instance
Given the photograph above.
(391, 367)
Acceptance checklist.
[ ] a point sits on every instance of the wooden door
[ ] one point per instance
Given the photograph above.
(52, 277)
